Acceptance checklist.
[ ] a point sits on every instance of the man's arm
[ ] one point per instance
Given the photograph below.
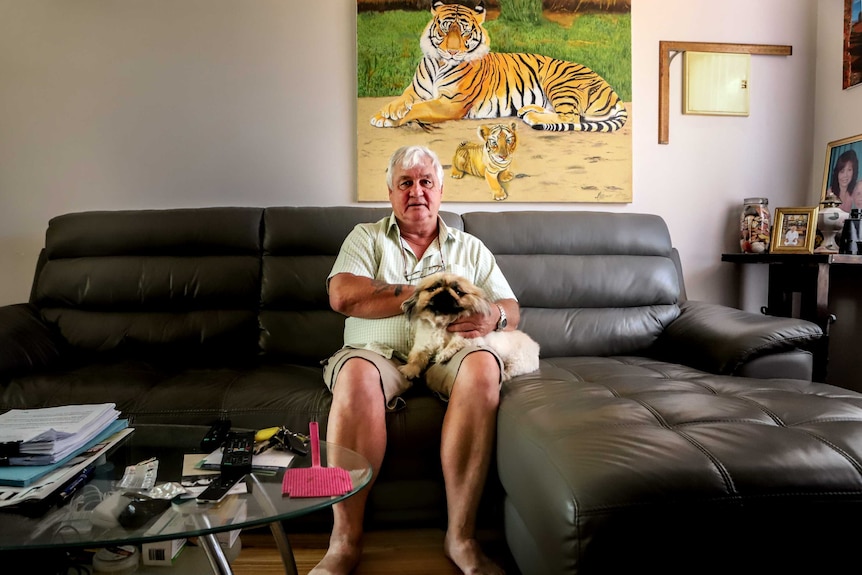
(358, 296)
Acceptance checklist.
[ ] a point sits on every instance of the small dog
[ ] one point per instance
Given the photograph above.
(441, 299)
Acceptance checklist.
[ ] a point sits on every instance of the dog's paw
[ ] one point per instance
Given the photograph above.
(445, 355)
(409, 370)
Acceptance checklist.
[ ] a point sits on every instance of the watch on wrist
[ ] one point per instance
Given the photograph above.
(501, 325)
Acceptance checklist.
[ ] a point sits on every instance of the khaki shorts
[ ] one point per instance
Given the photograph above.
(439, 377)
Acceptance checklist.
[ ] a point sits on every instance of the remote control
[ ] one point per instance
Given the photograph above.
(215, 436)
(237, 453)
(235, 463)
(217, 489)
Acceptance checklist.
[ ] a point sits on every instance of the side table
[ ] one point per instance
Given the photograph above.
(807, 275)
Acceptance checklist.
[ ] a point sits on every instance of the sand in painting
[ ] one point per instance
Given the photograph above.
(548, 166)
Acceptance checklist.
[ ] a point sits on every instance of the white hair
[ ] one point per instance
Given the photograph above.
(409, 157)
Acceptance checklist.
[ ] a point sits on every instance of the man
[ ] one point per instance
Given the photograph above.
(376, 270)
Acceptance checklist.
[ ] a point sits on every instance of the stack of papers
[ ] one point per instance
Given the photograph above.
(34, 484)
(48, 435)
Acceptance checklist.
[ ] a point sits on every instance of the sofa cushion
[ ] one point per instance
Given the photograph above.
(609, 287)
(186, 279)
(91, 380)
(299, 248)
(590, 446)
(251, 396)
(29, 343)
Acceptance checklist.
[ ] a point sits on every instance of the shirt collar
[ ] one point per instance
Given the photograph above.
(443, 230)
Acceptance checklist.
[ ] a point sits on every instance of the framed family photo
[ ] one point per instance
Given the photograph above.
(841, 172)
(794, 230)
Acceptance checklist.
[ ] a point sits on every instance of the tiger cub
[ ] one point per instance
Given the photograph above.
(490, 159)
(459, 77)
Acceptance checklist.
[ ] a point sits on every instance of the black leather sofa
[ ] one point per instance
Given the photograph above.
(659, 432)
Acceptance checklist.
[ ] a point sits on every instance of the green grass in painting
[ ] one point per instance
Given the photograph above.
(388, 50)
(521, 11)
(388, 47)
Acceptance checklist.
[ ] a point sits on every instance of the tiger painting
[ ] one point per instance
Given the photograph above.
(459, 77)
(490, 159)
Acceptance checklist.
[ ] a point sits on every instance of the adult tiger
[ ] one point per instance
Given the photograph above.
(459, 77)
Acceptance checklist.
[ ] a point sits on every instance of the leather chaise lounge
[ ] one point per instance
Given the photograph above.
(659, 433)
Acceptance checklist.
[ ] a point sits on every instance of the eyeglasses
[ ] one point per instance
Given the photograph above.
(423, 273)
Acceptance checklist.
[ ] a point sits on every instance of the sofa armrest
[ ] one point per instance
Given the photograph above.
(26, 342)
(720, 339)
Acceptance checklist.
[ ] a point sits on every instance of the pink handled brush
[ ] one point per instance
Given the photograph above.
(315, 481)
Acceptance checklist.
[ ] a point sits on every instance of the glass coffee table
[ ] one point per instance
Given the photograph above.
(70, 526)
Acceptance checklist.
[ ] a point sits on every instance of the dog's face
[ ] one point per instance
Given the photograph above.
(442, 298)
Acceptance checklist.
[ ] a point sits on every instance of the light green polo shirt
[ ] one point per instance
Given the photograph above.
(376, 251)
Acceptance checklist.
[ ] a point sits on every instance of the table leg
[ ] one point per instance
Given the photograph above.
(210, 544)
(275, 527)
(284, 548)
(811, 284)
(825, 320)
(216, 556)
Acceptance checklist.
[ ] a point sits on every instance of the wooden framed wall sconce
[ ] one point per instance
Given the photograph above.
(665, 49)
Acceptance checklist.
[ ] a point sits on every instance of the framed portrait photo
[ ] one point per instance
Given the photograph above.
(794, 230)
(841, 172)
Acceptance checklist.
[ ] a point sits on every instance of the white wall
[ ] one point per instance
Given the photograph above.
(115, 104)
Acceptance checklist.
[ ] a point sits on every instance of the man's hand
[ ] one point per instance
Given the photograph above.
(478, 325)
(475, 325)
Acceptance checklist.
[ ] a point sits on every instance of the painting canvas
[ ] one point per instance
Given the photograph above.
(522, 100)
(852, 43)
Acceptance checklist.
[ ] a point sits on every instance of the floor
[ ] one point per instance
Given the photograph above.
(402, 552)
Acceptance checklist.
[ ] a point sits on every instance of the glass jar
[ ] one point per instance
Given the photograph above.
(754, 226)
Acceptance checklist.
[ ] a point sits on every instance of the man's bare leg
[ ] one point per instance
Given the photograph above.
(357, 420)
(465, 452)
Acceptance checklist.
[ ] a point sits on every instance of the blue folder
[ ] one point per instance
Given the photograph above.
(23, 475)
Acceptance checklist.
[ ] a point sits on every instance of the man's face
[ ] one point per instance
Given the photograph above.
(417, 193)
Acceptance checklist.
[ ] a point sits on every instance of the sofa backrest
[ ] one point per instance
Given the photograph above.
(300, 245)
(184, 280)
(589, 283)
(252, 280)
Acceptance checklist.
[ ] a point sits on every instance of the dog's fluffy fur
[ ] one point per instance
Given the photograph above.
(441, 299)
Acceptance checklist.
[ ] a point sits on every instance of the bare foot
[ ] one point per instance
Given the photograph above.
(468, 557)
(340, 559)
